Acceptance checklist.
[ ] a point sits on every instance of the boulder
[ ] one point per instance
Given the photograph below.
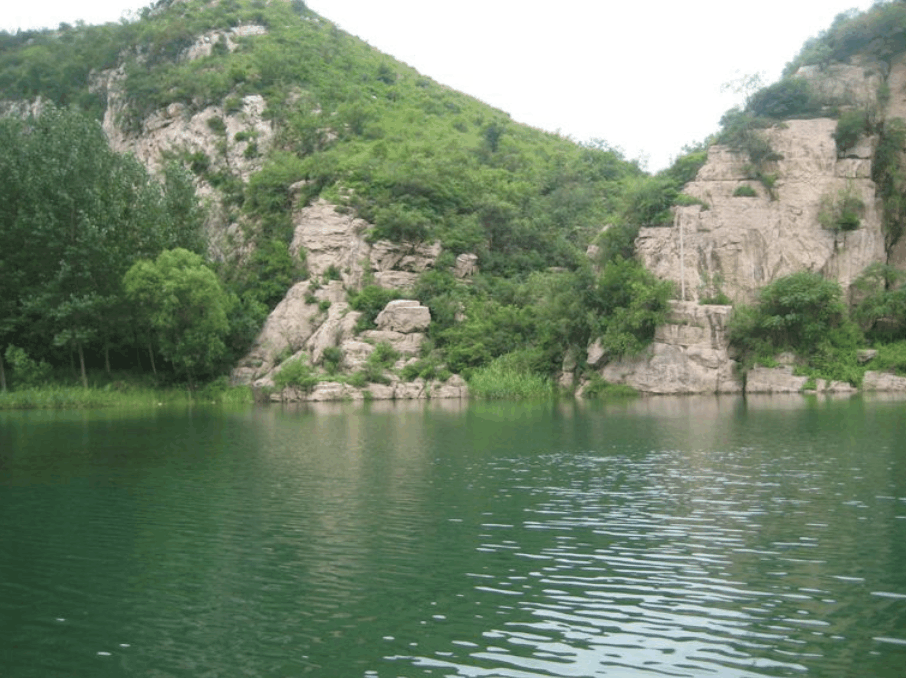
(774, 380)
(466, 265)
(405, 316)
(883, 381)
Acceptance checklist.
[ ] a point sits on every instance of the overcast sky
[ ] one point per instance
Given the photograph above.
(643, 75)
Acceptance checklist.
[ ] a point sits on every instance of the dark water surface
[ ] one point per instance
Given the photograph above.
(664, 537)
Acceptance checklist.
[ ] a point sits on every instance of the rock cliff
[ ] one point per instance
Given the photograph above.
(315, 314)
(737, 244)
(755, 225)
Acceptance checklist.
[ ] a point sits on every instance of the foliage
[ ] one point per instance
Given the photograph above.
(850, 126)
(506, 379)
(296, 373)
(802, 313)
(74, 216)
(879, 32)
(744, 132)
(881, 311)
(370, 301)
(891, 358)
(647, 200)
(186, 308)
(379, 360)
(629, 303)
(787, 98)
(889, 175)
(26, 372)
(745, 191)
(598, 388)
(842, 212)
(331, 359)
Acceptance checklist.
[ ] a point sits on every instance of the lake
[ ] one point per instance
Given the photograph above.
(696, 536)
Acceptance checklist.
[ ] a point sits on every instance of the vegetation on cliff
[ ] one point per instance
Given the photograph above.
(416, 159)
(420, 162)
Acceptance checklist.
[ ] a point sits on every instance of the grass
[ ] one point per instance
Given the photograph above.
(58, 397)
(502, 381)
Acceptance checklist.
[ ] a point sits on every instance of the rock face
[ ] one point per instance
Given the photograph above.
(740, 244)
(782, 380)
(882, 381)
(733, 244)
(403, 315)
(335, 242)
(315, 315)
(689, 355)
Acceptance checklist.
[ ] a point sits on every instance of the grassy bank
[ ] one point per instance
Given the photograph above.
(57, 397)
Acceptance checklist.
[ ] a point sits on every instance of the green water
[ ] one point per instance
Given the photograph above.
(662, 537)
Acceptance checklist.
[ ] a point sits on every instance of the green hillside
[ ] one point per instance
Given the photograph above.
(419, 161)
(416, 159)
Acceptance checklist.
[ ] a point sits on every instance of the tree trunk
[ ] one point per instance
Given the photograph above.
(107, 357)
(151, 355)
(2, 375)
(82, 364)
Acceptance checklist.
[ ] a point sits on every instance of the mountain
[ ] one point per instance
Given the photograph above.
(381, 231)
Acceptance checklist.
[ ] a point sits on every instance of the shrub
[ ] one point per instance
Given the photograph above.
(383, 355)
(331, 359)
(802, 313)
(891, 358)
(647, 201)
(842, 213)
(600, 388)
(26, 372)
(296, 372)
(850, 126)
(370, 301)
(745, 191)
(787, 98)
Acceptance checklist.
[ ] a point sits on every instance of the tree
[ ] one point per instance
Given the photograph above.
(74, 216)
(186, 308)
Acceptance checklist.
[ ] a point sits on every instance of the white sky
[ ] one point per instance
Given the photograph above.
(644, 75)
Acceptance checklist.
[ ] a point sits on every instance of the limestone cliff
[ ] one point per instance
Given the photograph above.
(315, 314)
(755, 225)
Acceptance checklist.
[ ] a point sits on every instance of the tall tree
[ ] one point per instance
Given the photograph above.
(74, 216)
(186, 307)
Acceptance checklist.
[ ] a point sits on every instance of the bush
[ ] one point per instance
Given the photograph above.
(600, 388)
(745, 191)
(298, 373)
(891, 358)
(331, 359)
(850, 126)
(26, 372)
(647, 201)
(802, 313)
(843, 213)
(787, 98)
(370, 301)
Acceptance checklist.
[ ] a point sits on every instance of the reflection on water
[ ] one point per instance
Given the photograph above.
(663, 537)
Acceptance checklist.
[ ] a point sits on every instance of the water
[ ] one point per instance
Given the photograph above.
(660, 537)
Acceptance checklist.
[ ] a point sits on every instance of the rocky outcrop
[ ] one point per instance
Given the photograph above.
(453, 388)
(690, 354)
(783, 380)
(335, 243)
(737, 245)
(883, 381)
(404, 315)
